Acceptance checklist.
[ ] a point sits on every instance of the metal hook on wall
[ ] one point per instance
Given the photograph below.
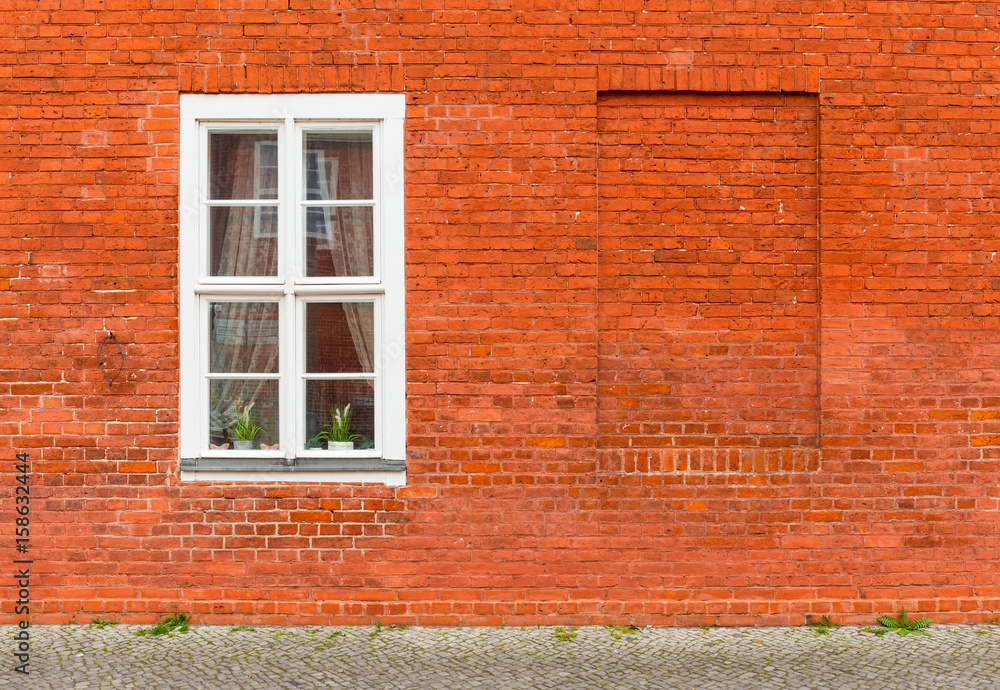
(103, 352)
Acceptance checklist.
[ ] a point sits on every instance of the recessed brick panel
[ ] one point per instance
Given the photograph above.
(707, 274)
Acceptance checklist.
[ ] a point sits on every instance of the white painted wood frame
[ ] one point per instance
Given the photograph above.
(290, 116)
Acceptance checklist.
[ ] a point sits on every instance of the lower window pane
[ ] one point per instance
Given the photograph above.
(243, 414)
(330, 421)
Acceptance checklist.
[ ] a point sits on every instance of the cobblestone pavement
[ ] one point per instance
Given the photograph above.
(77, 656)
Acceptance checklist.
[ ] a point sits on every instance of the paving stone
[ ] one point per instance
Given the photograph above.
(211, 657)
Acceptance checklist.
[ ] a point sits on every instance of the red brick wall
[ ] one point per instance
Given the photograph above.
(530, 497)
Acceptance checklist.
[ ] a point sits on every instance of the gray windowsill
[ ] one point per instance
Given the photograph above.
(300, 465)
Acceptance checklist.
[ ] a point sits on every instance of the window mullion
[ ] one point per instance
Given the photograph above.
(293, 172)
(291, 268)
(289, 403)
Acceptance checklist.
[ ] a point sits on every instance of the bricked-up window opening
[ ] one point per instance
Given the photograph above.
(292, 281)
(708, 281)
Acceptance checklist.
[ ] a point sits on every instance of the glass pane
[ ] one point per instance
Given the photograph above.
(243, 165)
(337, 165)
(355, 424)
(339, 241)
(243, 241)
(340, 337)
(243, 338)
(243, 414)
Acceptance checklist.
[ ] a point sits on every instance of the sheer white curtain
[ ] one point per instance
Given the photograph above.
(362, 326)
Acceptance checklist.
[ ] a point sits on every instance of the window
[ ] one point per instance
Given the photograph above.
(291, 280)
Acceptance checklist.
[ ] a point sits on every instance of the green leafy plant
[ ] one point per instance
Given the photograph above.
(175, 622)
(240, 628)
(618, 630)
(564, 635)
(100, 623)
(902, 624)
(243, 428)
(339, 428)
(379, 627)
(823, 625)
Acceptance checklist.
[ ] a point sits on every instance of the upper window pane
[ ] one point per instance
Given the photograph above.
(337, 165)
(243, 165)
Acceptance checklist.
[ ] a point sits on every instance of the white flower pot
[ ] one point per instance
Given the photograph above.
(243, 445)
(341, 445)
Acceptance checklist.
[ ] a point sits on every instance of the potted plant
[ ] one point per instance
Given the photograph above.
(337, 433)
(243, 431)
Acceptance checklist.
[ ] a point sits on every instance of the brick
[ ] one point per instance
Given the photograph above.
(615, 302)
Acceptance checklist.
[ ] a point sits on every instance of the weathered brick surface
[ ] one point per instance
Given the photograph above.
(708, 271)
(530, 496)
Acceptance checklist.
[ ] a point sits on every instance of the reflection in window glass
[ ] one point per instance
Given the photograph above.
(339, 241)
(337, 165)
(243, 165)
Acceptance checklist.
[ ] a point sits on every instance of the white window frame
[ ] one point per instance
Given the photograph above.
(291, 115)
